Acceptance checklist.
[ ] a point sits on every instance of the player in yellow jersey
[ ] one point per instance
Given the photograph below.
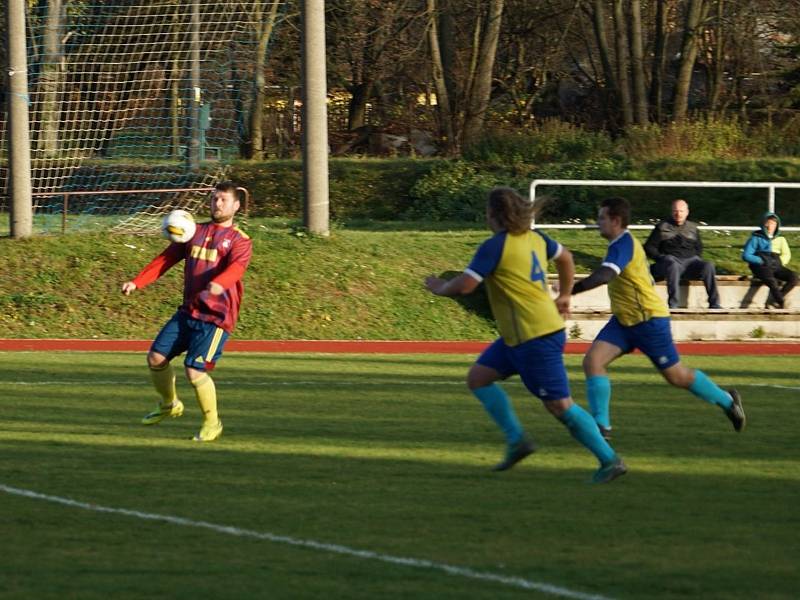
(513, 264)
(640, 320)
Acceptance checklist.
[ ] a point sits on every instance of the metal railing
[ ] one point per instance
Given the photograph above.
(769, 186)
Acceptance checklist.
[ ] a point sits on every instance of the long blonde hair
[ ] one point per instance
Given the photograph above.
(510, 211)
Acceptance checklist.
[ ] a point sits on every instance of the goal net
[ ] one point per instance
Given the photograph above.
(136, 95)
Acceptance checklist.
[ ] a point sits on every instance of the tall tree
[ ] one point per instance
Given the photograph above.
(658, 66)
(51, 79)
(696, 14)
(480, 91)
(623, 70)
(446, 131)
(640, 111)
(599, 20)
(262, 22)
(364, 39)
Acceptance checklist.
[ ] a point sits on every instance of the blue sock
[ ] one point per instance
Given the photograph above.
(498, 405)
(598, 391)
(709, 391)
(583, 428)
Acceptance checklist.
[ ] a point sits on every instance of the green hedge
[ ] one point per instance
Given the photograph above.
(446, 190)
(359, 188)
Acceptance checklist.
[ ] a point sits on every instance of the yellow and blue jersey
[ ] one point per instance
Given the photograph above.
(514, 268)
(632, 292)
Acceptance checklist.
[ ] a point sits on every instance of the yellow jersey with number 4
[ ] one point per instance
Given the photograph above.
(514, 268)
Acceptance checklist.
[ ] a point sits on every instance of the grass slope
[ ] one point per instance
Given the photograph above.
(359, 283)
(390, 454)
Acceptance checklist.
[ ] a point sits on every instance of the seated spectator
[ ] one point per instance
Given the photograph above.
(767, 254)
(676, 247)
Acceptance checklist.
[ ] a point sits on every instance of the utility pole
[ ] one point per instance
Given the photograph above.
(19, 141)
(315, 120)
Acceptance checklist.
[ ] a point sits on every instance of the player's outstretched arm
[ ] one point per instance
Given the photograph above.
(457, 286)
(128, 287)
(596, 279)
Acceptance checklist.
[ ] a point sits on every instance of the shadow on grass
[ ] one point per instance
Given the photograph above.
(476, 303)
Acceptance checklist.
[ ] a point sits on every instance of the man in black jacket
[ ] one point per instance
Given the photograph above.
(675, 246)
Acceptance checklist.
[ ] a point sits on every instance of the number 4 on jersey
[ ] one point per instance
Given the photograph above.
(537, 273)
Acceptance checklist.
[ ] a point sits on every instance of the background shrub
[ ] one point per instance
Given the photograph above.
(554, 140)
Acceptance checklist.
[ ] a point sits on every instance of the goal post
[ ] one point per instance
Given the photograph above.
(129, 97)
(769, 187)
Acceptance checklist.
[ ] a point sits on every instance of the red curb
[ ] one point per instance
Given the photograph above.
(375, 346)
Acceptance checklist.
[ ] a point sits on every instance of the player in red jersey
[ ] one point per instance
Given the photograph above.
(216, 259)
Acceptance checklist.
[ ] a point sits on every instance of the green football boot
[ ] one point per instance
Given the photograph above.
(174, 409)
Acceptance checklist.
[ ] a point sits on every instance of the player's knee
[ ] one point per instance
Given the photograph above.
(480, 376)
(679, 376)
(474, 381)
(592, 365)
(558, 407)
(194, 375)
(156, 360)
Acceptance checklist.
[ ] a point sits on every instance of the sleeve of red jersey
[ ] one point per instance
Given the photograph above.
(159, 265)
(241, 252)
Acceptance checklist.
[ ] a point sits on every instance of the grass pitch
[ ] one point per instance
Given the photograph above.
(390, 455)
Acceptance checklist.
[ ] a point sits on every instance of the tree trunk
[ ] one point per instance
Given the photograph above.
(439, 82)
(478, 101)
(264, 31)
(447, 48)
(623, 71)
(599, 25)
(357, 110)
(175, 88)
(637, 65)
(717, 71)
(695, 15)
(48, 142)
(659, 60)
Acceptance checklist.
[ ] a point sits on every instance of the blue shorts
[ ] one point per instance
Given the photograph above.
(539, 362)
(652, 337)
(201, 341)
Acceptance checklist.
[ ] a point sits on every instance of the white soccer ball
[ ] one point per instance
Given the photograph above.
(178, 226)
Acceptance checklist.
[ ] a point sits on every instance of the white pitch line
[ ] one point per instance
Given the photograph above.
(517, 582)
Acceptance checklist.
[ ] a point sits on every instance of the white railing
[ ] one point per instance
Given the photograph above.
(769, 186)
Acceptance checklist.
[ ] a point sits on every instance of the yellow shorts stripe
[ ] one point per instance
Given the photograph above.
(212, 349)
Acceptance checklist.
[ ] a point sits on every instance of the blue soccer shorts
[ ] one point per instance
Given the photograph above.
(652, 337)
(201, 341)
(539, 362)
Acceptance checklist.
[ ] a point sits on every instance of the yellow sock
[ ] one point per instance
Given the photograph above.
(164, 382)
(206, 393)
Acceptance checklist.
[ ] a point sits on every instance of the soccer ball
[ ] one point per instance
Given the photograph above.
(178, 226)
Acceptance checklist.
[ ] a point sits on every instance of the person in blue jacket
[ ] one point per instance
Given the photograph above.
(767, 253)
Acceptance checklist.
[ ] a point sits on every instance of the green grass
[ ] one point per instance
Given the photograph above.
(359, 283)
(390, 454)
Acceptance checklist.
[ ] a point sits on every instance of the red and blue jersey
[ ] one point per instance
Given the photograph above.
(215, 254)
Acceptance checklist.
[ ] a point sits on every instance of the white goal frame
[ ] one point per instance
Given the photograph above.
(769, 186)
